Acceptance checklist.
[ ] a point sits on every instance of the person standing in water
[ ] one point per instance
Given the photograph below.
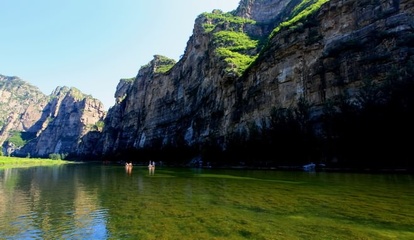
(151, 167)
(128, 167)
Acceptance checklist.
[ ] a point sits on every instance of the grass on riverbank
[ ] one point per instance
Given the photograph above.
(14, 162)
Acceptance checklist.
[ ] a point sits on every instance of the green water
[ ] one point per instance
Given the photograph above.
(86, 201)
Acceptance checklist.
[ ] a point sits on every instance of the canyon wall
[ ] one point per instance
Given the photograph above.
(329, 53)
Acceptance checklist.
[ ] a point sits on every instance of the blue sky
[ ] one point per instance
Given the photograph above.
(92, 44)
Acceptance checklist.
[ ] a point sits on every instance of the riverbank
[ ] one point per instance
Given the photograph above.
(15, 162)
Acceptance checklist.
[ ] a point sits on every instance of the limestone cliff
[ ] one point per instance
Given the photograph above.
(67, 118)
(292, 51)
(36, 125)
(329, 54)
(113, 120)
(21, 106)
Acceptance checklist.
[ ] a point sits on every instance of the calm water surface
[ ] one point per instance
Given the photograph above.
(90, 201)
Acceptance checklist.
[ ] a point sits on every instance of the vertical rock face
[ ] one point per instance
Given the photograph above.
(264, 11)
(204, 98)
(114, 118)
(169, 109)
(21, 106)
(190, 104)
(333, 53)
(67, 117)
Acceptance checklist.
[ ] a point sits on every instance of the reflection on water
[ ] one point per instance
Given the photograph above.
(49, 202)
(87, 201)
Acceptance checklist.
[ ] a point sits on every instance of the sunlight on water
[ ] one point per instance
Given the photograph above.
(107, 202)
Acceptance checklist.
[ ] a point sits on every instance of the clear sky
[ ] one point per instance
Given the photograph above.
(92, 44)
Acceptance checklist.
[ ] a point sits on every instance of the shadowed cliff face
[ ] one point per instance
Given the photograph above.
(344, 44)
(265, 11)
(205, 98)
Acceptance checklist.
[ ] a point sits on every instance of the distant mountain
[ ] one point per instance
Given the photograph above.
(33, 124)
(21, 106)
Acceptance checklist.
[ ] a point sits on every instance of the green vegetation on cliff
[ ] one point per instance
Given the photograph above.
(299, 13)
(163, 64)
(217, 17)
(234, 41)
(98, 126)
(127, 80)
(236, 62)
(233, 47)
(77, 94)
(19, 139)
(160, 64)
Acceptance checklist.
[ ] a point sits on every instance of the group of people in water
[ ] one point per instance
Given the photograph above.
(151, 167)
(128, 167)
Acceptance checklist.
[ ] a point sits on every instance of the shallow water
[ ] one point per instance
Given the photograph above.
(90, 201)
